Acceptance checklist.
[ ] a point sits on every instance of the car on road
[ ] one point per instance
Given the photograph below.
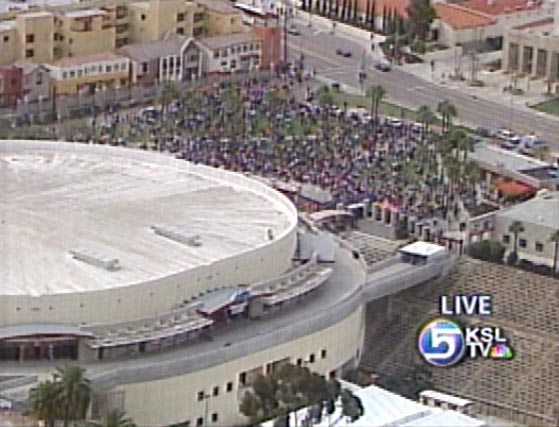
(383, 66)
(343, 53)
(293, 31)
(484, 132)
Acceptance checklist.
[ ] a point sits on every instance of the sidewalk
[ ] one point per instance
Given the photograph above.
(446, 62)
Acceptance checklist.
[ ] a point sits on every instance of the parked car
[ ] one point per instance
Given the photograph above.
(483, 132)
(293, 31)
(504, 134)
(383, 66)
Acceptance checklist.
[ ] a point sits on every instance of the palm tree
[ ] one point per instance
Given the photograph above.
(447, 110)
(43, 402)
(426, 118)
(73, 392)
(166, 96)
(516, 228)
(114, 418)
(555, 239)
(376, 93)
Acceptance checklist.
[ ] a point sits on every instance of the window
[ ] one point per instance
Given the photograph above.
(193, 58)
(29, 38)
(65, 75)
(200, 396)
(214, 417)
(199, 422)
(539, 246)
(108, 68)
(216, 391)
(216, 54)
(180, 31)
(323, 353)
(232, 21)
(80, 73)
(243, 378)
(72, 74)
(233, 63)
(143, 17)
(299, 362)
(144, 67)
(29, 53)
(180, 17)
(164, 65)
(522, 243)
(229, 386)
(39, 79)
(506, 239)
(6, 39)
(224, 53)
(311, 358)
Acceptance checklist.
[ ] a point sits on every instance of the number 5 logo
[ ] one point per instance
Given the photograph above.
(441, 342)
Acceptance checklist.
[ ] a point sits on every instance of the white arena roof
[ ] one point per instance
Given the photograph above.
(74, 220)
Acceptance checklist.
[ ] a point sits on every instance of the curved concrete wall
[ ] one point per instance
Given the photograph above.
(153, 297)
(177, 400)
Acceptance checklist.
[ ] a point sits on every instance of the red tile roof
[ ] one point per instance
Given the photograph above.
(500, 7)
(459, 17)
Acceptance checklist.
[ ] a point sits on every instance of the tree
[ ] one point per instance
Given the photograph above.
(447, 110)
(516, 228)
(426, 118)
(487, 250)
(373, 18)
(352, 408)
(376, 93)
(420, 16)
(73, 392)
(43, 402)
(324, 96)
(114, 418)
(554, 238)
(166, 96)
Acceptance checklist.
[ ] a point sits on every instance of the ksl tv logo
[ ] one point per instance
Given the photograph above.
(443, 342)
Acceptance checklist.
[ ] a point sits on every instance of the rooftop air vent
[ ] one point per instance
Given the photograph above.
(178, 234)
(95, 259)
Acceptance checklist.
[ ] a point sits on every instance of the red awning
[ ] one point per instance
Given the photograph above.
(514, 189)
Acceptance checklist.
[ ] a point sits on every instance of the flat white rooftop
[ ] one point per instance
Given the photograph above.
(104, 207)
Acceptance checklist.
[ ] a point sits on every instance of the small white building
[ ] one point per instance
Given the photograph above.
(422, 253)
(230, 53)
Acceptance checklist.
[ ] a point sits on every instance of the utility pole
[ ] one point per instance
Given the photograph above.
(285, 36)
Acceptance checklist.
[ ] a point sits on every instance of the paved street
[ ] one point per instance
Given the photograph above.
(318, 45)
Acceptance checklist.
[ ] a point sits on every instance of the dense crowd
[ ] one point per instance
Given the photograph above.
(286, 133)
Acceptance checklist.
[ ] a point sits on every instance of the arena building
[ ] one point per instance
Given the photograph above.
(163, 278)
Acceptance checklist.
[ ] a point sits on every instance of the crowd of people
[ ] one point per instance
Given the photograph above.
(284, 132)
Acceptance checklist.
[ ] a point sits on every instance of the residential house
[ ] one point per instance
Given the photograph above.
(173, 59)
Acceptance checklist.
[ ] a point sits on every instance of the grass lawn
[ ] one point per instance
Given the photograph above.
(549, 107)
(386, 108)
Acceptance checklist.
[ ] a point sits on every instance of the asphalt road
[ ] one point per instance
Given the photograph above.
(318, 47)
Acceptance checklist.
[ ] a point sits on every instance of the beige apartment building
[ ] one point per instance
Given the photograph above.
(84, 32)
(154, 19)
(221, 18)
(69, 30)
